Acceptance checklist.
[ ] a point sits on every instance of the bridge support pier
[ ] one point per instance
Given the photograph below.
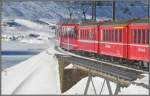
(90, 80)
(69, 77)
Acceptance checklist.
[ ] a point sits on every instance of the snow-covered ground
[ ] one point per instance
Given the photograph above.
(39, 75)
(41, 68)
(79, 88)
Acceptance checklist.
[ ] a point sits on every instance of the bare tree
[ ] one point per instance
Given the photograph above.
(85, 6)
(70, 6)
(70, 9)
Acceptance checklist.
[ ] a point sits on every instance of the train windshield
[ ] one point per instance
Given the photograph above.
(71, 33)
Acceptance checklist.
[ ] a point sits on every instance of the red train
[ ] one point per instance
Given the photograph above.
(123, 39)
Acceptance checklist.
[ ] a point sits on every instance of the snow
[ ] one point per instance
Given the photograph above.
(79, 88)
(32, 41)
(39, 71)
(19, 46)
(70, 66)
(144, 80)
(30, 24)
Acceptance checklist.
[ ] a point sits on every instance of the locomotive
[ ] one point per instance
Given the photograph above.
(122, 40)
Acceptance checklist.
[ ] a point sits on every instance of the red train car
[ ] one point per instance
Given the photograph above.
(138, 40)
(88, 36)
(122, 39)
(113, 39)
(68, 38)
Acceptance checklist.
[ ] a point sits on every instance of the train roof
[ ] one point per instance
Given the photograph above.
(88, 23)
(125, 22)
(144, 20)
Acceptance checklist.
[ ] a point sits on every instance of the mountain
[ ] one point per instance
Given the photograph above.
(52, 11)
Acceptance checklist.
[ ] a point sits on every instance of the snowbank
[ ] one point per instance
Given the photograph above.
(37, 75)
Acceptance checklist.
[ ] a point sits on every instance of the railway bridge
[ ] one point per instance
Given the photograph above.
(123, 76)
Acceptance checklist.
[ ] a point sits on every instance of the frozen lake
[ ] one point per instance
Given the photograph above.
(10, 60)
(14, 52)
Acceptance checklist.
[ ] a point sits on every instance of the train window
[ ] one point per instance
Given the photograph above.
(147, 36)
(143, 36)
(107, 35)
(139, 36)
(104, 35)
(116, 35)
(81, 34)
(112, 35)
(103, 32)
(120, 35)
(87, 34)
(135, 35)
(93, 32)
(131, 37)
(93, 35)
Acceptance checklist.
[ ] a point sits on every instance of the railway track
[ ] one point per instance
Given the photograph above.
(101, 61)
(121, 73)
